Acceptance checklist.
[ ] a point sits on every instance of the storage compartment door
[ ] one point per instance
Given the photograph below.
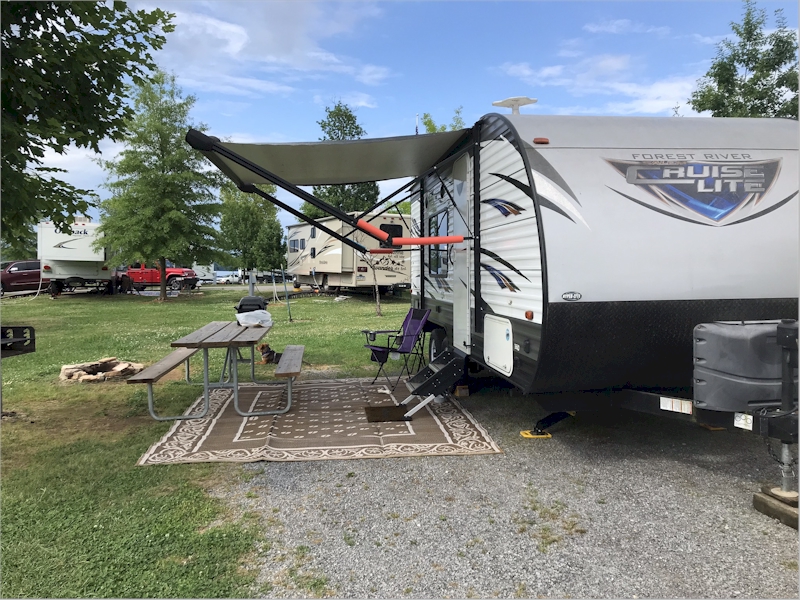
(498, 344)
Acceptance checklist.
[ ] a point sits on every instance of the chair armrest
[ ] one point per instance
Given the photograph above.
(371, 334)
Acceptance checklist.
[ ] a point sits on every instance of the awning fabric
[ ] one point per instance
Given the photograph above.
(337, 162)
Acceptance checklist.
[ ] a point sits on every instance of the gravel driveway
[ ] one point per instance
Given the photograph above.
(623, 505)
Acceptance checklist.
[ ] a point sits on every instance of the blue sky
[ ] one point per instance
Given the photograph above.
(265, 71)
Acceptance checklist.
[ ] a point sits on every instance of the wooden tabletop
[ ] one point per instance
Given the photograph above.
(222, 334)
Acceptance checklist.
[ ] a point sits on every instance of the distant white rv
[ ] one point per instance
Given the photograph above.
(318, 259)
(69, 259)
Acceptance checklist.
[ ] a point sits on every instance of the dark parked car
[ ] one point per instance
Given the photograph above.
(20, 275)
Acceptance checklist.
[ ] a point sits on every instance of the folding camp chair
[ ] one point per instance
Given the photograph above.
(408, 342)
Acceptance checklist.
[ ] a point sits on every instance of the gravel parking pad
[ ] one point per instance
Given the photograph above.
(618, 505)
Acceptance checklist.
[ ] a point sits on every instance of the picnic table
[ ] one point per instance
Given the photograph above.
(218, 334)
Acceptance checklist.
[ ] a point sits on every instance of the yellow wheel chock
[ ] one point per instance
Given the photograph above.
(535, 435)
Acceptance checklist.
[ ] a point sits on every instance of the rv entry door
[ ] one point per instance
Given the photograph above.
(462, 253)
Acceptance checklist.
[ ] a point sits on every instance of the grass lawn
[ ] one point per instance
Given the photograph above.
(78, 518)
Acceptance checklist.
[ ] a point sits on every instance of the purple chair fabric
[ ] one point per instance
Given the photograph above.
(408, 342)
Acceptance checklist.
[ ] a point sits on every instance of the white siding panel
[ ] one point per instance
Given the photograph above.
(501, 157)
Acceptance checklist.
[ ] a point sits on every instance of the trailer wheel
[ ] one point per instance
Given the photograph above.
(437, 343)
(174, 284)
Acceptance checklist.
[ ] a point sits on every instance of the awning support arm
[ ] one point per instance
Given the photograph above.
(252, 189)
(388, 208)
(384, 200)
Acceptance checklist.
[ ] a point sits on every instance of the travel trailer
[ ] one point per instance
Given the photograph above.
(321, 260)
(576, 256)
(69, 260)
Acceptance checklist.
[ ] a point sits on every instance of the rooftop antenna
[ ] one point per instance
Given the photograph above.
(514, 103)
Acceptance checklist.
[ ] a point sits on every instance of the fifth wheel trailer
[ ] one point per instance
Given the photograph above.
(578, 254)
(319, 259)
(70, 259)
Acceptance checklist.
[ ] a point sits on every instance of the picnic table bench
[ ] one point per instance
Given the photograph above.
(231, 336)
(289, 367)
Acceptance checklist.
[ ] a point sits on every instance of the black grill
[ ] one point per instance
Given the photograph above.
(251, 303)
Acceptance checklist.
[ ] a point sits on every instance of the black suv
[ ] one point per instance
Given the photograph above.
(21, 275)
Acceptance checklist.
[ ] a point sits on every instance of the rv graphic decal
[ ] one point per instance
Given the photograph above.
(556, 198)
(440, 283)
(549, 195)
(504, 206)
(387, 263)
(63, 244)
(503, 262)
(708, 192)
(501, 278)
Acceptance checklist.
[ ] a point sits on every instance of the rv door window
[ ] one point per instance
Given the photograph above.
(293, 246)
(437, 254)
(313, 252)
(393, 230)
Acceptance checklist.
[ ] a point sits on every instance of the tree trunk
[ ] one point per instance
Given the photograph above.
(162, 267)
(377, 291)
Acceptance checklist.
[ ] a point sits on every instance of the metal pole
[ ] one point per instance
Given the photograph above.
(252, 280)
(787, 339)
(286, 290)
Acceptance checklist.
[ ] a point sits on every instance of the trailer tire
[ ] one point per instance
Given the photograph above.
(438, 343)
(174, 284)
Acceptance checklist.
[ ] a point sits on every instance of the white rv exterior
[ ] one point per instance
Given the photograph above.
(68, 259)
(318, 259)
(596, 244)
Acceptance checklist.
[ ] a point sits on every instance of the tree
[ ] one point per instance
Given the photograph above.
(64, 69)
(431, 127)
(250, 230)
(371, 263)
(163, 204)
(754, 75)
(340, 123)
(24, 245)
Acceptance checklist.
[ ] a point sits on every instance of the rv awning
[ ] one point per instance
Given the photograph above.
(337, 162)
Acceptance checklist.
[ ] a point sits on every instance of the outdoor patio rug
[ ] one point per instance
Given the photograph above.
(327, 421)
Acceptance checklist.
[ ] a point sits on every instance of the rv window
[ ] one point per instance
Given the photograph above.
(313, 253)
(293, 246)
(303, 244)
(313, 232)
(437, 254)
(393, 230)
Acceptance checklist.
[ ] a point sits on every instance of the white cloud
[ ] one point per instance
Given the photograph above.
(711, 40)
(236, 86)
(372, 74)
(571, 48)
(359, 99)
(613, 77)
(275, 42)
(618, 26)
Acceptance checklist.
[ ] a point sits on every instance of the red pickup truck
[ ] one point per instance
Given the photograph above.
(148, 275)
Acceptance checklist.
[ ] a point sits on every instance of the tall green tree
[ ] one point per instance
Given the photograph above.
(163, 204)
(340, 123)
(64, 66)
(753, 75)
(249, 229)
(431, 126)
